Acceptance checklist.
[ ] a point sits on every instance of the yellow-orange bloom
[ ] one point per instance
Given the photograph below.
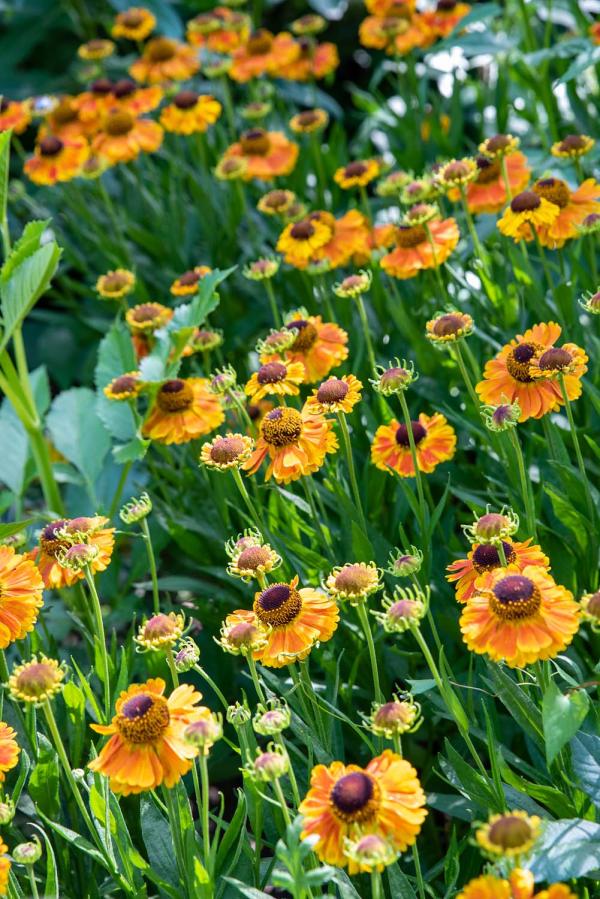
(21, 589)
(484, 557)
(262, 54)
(435, 442)
(165, 59)
(313, 61)
(221, 30)
(146, 747)
(416, 249)
(53, 543)
(133, 98)
(276, 378)
(520, 885)
(14, 115)
(320, 346)
(123, 137)
(56, 159)
(357, 174)
(183, 410)
(384, 798)
(9, 750)
(135, 24)
(295, 443)
(519, 617)
(190, 113)
(487, 193)
(509, 377)
(267, 154)
(336, 395)
(574, 206)
(526, 214)
(188, 283)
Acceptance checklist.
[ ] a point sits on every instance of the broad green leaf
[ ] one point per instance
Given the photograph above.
(400, 885)
(43, 783)
(75, 839)
(562, 716)
(231, 831)
(517, 701)
(567, 849)
(132, 451)
(77, 433)
(158, 843)
(115, 357)
(74, 699)
(585, 755)
(51, 889)
(28, 243)
(247, 891)
(582, 62)
(15, 452)
(25, 285)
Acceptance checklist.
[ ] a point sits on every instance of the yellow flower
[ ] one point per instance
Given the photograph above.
(277, 378)
(116, 284)
(508, 835)
(36, 681)
(357, 174)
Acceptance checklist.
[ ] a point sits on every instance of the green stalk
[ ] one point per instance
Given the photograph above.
(351, 469)
(418, 872)
(100, 636)
(212, 684)
(34, 889)
(283, 804)
(577, 447)
(465, 375)
(525, 488)
(255, 680)
(413, 452)
(324, 535)
(376, 886)
(152, 562)
(367, 334)
(205, 815)
(319, 171)
(247, 501)
(364, 620)
(272, 302)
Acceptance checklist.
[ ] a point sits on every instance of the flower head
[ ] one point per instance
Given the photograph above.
(148, 317)
(434, 442)
(231, 168)
(527, 212)
(499, 145)
(404, 609)
(336, 395)
(36, 681)
(242, 635)
(160, 632)
(164, 59)
(354, 581)
(403, 563)
(448, 327)
(509, 835)
(309, 24)
(146, 746)
(501, 417)
(276, 202)
(419, 247)
(272, 718)
(9, 752)
(56, 159)
(393, 184)
(353, 285)
(21, 591)
(238, 713)
(184, 409)
(457, 173)
(396, 378)
(116, 284)
(56, 538)
(261, 269)
(357, 174)
(590, 609)
(136, 509)
(573, 146)
(275, 378)
(484, 557)
(135, 24)
(225, 452)
(590, 224)
(186, 656)
(399, 716)
(492, 527)
(77, 556)
(203, 733)
(27, 853)
(268, 154)
(269, 765)
(190, 113)
(370, 852)
(97, 48)
(253, 561)
(188, 283)
(308, 121)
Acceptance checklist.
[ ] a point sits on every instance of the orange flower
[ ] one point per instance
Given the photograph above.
(276, 378)
(14, 115)
(65, 120)
(190, 113)
(267, 154)
(93, 104)
(314, 61)
(293, 621)
(123, 137)
(445, 17)
(296, 443)
(344, 801)
(5, 866)
(434, 438)
(488, 192)
(519, 617)
(390, 7)
(300, 241)
(349, 238)
(135, 24)
(184, 409)
(336, 395)
(9, 750)
(396, 35)
(574, 206)
(188, 283)
(520, 885)
(165, 59)
(527, 213)
(484, 557)
(21, 589)
(415, 251)
(52, 544)
(594, 32)
(509, 377)
(146, 746)
(128, 95)
(56, 159)
(263, 54)
(320, 346)
(221, 30)
(357, 174)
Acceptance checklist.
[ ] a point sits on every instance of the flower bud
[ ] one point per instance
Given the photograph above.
(136, 509)
(271, 719)
(27, 853)
(187, 656)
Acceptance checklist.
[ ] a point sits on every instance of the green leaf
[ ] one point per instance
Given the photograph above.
(132, 451)
(75, 839)
(74, 699)
(25, 285)
(582, 62)
(231, 831)
(28, 243)
(585, 755)
(5, 137)
(158, 843)
(43, 783)
(400, 885)
(562, 716)
(515, 699)
(567, 849)
(77, 433)
(115, 357)
(249, 892)
(51, 889)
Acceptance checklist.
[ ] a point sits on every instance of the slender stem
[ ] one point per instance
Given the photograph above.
(415, 460)
(319, 171)
(281, 799)
(366, 332)
(272, 302)
(212, 684)
(324, 535)
(176, 835)
(152, 562)
(465, 375)
(100, 637)
(477, 246)
(364, 620)
(436, 267)
(255, 680)
(247, 501)
(577, 447)
(525, 490)
(506, 179)
(34, 889)
(293, 782)
(376, 887)
(202, 761)
(418, 871)
(351, 469)
(120, 487)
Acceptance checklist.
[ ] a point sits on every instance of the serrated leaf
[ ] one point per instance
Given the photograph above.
(77, 433)
(28, 242)
(562, 716)
(24, 287)
(585, 756)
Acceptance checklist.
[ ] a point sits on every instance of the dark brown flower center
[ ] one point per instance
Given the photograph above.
(119, 123)
(572, 143)
(255, 142)
(4, 104)
(253, 557)
(593, 605)
(161, 49)
(306, 335)
(355, 797)
(555, 359)
(271, 373)
(50, 146)
(132, 18)
(101, 86)
(525, 202)
(554, 190)
(226, 449)
(185, 99)
(515, 597)
(49, 541)
(486, 556)
(146, 312)
(281, 426)
(448, 325)
(509, 832)
(175, 396)
(278, 605)
(446, 5)
(307, 118)
(124, 384)
(355, 170)
(188, 279)
(519, 359)
(488, 170)
(124, 88)
(418, 431)
(498, 142)
(332, 391)
(408, 236)
(276, 199)
(143, 718)
(303, 230)
(259, 42)
(456, 171)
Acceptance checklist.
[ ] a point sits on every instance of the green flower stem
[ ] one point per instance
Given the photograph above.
(591, 248)
(436, 268)
(255, 680)
(229, 113)
(306, 681)
(413, 452)
(247, 500)
(120, 487)
(465, 375)
(351, 469)
(366, 332)
(544, 261)
(176, 836)
(327, 545)
(364, 620)
(100, 637)
(364, 199)
(34, 889)
(418, 871)
(506, 179)
(376, 886)
(477, 245)
(319, 171)
(525, 486)
(152, 563)
(577, 447)
(62, 755)
(243, 412)
(203, 763)
(203, 674)
(283, 804)
(501, 554)
(272, 302)
(300, 690)
(397, 741)
(293, 782)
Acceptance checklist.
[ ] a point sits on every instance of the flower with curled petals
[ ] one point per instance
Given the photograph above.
(519, 617)
(357, 174)
(320, 346)
(267, 154)
(9, 750)
(417, 247)
(135, 24)
(253, 561)
(277, 379)
(508, 835)
(336, 395)
(527, 213)
(146, 748)
(225, 452)
(183, 410)
(354, 581)
(345, 801)
(484, 557)
(165, 59)
(434, 438)
(160, 632)
(21, 590)
(190, 113)
(36, 681)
